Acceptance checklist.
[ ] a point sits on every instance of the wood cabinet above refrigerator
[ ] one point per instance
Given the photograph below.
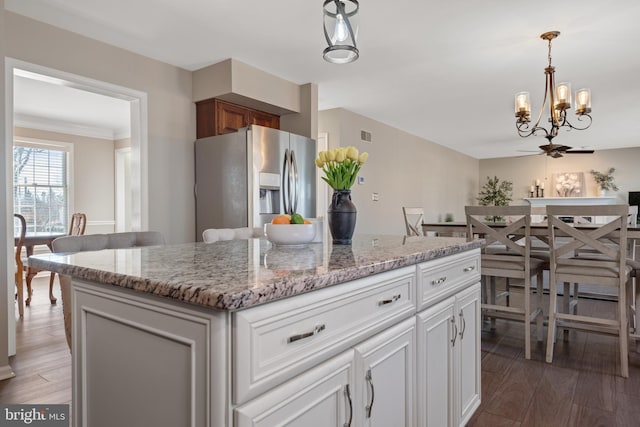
(217, 117)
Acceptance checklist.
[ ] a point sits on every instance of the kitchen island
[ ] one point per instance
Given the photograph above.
(238, 333)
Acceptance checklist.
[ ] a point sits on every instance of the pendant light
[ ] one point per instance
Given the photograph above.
(557, 97)
(341, 31)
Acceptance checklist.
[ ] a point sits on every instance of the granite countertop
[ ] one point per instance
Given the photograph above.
(237, 274)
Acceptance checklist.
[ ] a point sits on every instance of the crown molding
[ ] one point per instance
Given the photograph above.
(45, 124)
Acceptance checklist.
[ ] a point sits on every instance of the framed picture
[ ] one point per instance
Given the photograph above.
(569, 184)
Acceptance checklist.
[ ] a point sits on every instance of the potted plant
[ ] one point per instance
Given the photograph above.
(495, 193)
(605, 180)
(341, 167)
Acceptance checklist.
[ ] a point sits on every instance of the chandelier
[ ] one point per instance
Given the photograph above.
(559, 97)
(340, 31)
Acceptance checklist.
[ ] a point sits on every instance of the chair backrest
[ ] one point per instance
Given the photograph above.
(632, 218)
(211, 235)
(513, 236)
(19, 231)
(603, 241)
(78, 224)
(97, 242)
(413, 219)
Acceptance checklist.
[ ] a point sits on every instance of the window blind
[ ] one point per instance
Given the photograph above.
(40, 187)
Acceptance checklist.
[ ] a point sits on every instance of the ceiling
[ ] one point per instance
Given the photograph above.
(444, 71)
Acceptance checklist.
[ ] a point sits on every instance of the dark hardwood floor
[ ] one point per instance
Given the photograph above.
(42, 363)
(581, 388)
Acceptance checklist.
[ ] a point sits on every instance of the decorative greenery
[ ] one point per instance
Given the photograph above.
(605, 180)
(341, 166)
(495, 193)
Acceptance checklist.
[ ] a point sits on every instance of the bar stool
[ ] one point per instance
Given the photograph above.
(507, 254)
(605, 265)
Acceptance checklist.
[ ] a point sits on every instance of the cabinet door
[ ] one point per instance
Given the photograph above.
(321, 397)
(205, 118)
(436, 334)
(468, 354)
(230, 117)
(265, 119)
(385, 377)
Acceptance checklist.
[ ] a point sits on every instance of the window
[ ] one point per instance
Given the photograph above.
(41, 185)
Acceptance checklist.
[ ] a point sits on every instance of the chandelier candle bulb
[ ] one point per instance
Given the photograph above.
(523, 104)
(563, 96)
(583, 101)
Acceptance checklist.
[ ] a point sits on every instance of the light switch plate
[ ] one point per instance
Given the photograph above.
(374, 197)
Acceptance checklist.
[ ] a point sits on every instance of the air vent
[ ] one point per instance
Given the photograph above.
(365, 136)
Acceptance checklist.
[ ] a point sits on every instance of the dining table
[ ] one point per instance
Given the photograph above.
(540, 230)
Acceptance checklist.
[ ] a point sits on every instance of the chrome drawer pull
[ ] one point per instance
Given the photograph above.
(455, 331)
(315, 331)
(440, 281)
(391, 300)
(369, 380)
(347, 393)
(468, 269)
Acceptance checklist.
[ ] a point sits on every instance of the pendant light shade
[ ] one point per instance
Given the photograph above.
(341, 30)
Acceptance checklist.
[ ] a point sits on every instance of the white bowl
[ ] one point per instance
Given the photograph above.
(290, 234)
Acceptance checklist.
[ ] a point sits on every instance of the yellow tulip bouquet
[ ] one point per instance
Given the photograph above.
(341, 166)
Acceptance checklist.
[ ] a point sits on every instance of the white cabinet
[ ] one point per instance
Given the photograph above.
(371, 385)
(467, 368)
(385, 377)
(321, 397)
(277, 341)
(449, 360)
(398, 348)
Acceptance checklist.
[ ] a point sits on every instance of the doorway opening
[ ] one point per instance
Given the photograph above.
(133, 170)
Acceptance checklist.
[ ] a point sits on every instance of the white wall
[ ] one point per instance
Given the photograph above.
(171, 112)
(523, 171)
(404, 170)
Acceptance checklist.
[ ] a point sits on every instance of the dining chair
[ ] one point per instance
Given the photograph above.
(506, 253)
(413, 218)
(19, 231)
(631, 261)
(77, 226)
(211, 235)
(605, 266)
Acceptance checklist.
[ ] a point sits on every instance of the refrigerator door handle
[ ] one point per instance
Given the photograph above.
(285, 181)
(296, 181)
(290, 188)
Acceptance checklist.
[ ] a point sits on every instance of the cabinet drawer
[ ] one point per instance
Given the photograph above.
(441, 278)
(279, 340)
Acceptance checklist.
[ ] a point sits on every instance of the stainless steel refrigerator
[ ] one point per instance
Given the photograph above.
(244, 179)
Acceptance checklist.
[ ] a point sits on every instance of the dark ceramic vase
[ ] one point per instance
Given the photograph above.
(341, 216)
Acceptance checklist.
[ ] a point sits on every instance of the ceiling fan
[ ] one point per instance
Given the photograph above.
(557, 150)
